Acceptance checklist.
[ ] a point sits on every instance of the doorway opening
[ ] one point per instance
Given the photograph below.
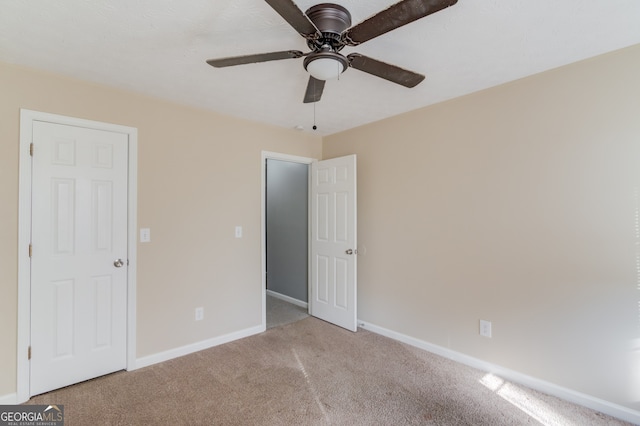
(285, 238)
(332, 239)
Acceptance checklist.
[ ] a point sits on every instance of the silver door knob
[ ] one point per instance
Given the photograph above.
(118, 263)
(349, 251)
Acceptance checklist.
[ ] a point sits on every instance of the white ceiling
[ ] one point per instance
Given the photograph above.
(159, 47)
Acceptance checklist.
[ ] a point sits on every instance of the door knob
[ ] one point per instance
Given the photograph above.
(349, 251)
(118, 263)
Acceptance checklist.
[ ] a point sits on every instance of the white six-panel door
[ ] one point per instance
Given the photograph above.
(333, 242)
(79, 232)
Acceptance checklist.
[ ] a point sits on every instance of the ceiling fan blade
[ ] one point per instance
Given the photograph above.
(250, 59)
(294, 16)
(380, 69)
(314, 90)
(394, 17)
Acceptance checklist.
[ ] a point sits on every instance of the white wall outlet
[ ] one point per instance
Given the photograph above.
(485, 328)
(199, 314)
(238, 231)
(145, 235)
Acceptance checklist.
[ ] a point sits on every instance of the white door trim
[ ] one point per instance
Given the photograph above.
(27, 117)
(267, 155)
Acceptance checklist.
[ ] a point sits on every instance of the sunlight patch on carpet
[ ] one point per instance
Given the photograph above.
(522, 400)
(310, 385)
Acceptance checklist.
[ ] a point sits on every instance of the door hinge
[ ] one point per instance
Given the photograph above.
(31, 149)
(29, 353)
(30, 250)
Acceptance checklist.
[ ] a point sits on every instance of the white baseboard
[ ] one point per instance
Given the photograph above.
(195, 347)
(288, 299)
(584, 400)
(11, 399)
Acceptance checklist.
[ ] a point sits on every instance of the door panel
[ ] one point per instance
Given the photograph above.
(79, 227)
(63, 318)
(103, 289)
(333, 244)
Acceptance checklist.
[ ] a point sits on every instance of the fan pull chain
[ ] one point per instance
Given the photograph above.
(314, 116)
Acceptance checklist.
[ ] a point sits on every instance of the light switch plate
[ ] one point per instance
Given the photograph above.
(238, 231)
(199, 314)
(145, 235)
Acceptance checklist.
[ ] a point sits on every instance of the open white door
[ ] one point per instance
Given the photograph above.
(333, 294)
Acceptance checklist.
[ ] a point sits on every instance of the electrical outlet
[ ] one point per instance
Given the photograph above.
(199, 314)
(485, 328)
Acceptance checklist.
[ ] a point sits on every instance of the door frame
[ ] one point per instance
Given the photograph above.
(268, 155)
(27, 117)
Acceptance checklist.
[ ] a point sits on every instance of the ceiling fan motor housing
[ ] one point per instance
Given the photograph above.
(331, 19)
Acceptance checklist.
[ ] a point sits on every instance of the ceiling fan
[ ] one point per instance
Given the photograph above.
(327, 29)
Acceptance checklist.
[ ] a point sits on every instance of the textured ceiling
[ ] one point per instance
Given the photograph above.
(159, 47)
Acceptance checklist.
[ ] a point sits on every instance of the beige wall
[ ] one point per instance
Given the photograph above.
(519, 205)
(199, 176)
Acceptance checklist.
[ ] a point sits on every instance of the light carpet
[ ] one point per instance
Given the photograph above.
(312, 373)
(280, 312)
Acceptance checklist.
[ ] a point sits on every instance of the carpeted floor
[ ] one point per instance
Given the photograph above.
(280, 312)
(312, 373)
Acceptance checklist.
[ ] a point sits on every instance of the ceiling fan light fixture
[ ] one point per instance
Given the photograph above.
(325, 65)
